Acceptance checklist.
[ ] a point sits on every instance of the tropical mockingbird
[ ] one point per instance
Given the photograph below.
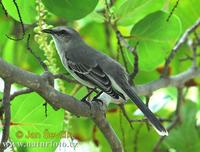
(97, 70)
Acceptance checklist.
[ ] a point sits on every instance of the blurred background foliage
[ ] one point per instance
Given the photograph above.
(145, 21)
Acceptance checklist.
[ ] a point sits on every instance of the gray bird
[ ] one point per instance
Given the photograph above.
(96, 70)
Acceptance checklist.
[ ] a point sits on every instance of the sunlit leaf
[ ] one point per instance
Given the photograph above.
(29, 123)
(128, 135)
(26, 7)
(5, 28)
(1, 95)
(70, 9)
(185, 137)
(187, 11)
(132, 11)
(81, 128)
(156, 38)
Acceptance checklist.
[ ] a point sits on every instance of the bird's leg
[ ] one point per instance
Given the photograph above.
(84, 99)
(98, 94)
(98, 100)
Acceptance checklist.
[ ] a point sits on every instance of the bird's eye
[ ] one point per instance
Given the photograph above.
(62, 32)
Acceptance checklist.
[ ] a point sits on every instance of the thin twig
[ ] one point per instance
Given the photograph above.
(132, 50)
(197, 37)
(45, 108)
(136, 66)
(109, 16)
(4, 9)
(21, 22)
(196, 43)
(107, 12)
(15, 94)
(6, 109)
(20, 92)
(137, 132)
(188, 57)
(108, 39)
(147, 104)
(122, 130)
(194, 55)
(122, 42)
(20, 17)
(125, 114)
(122, 52)
(180, 42)
(172, 11)
(44, 66)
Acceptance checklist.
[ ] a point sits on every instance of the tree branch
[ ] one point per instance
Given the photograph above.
(180, 42)
(175, 81)
(6, 110)
(20, 92)
(107, 130)
(40, 85)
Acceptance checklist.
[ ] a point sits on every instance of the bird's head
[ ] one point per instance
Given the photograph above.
(62, 34)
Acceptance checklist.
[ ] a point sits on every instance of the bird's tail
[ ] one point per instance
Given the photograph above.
(147, 112)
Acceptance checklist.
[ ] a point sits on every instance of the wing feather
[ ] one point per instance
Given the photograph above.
(94, 75)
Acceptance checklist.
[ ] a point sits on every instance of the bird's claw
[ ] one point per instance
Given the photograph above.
(98, 101)
(87, 102)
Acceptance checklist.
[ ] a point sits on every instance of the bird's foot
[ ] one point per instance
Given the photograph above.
(87, 102)
(98, 101)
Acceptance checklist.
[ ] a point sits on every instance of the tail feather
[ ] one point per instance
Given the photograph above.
(147, 112)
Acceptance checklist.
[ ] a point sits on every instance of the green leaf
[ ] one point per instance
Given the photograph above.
(8, 50)
(89, 33)
(81, 128)
(70, 9)
(5, 28)
(92, 17)
(156, 39)
(176, 65)
(146, 76)
(29, 123)
(187, 11)
(131, 11)
(1, 95)
(126, 134)
(26, 8)
(184, 138)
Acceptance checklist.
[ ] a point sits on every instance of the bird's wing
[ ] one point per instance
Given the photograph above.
(95, 75)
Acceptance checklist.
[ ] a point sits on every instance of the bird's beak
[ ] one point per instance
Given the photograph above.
(49, 31)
